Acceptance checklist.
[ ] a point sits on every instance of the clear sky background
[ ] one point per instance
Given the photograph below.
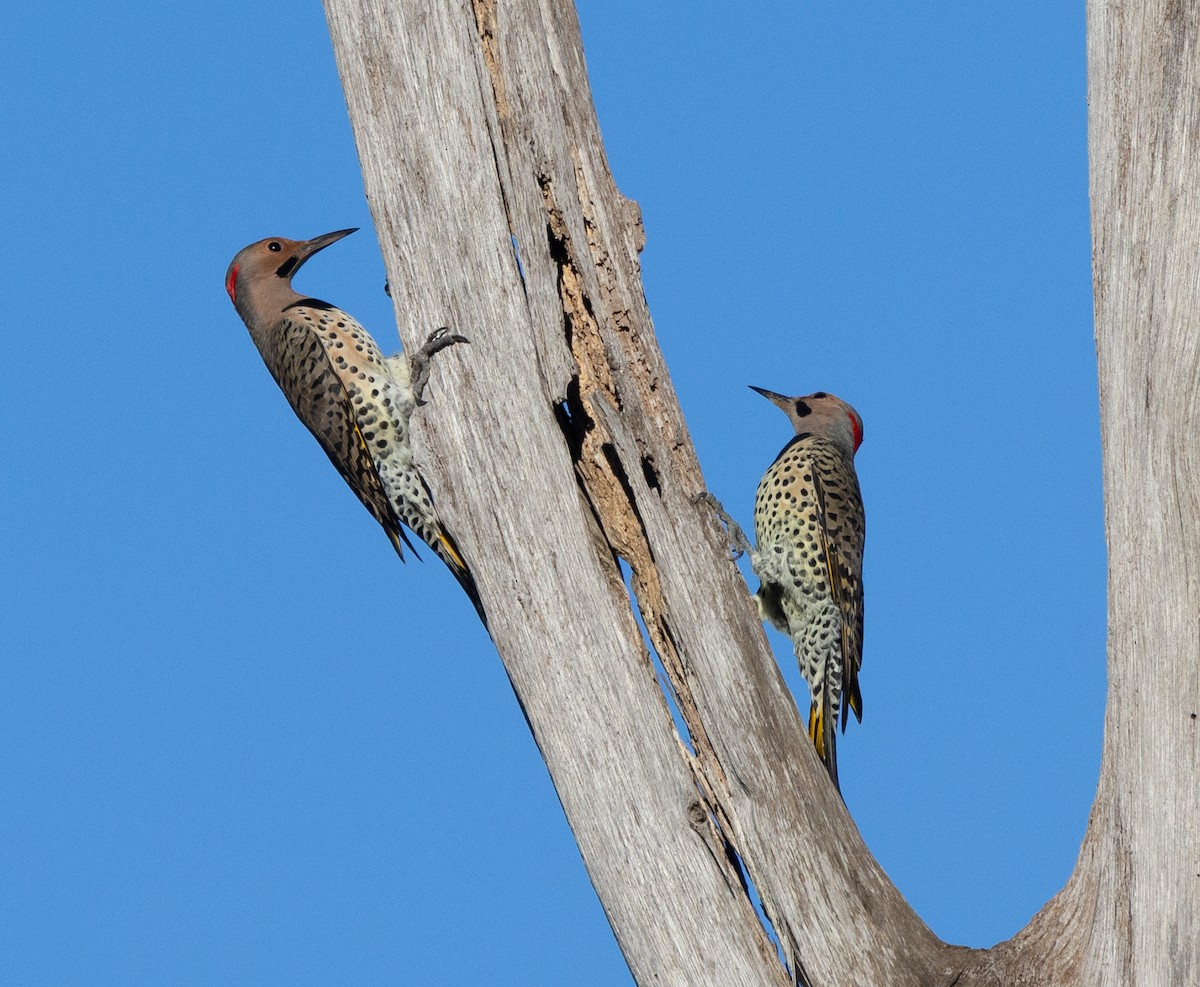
(223, 761)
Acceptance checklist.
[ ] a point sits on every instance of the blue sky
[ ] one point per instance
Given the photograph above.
(225, 760)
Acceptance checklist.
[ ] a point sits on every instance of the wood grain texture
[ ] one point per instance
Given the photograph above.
(1130, 914)
(557, 451)
(1143, 847)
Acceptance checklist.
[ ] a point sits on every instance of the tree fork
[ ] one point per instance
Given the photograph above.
(557, 449)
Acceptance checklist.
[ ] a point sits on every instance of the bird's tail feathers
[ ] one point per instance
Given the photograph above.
(822, 732)
(851, 701)
(449, 553)
(399, 539)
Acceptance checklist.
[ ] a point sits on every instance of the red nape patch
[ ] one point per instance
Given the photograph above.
(856, 425)
(231, 282)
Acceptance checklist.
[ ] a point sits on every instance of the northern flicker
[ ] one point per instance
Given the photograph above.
(356, 402)
(810, 527)
(809, 523)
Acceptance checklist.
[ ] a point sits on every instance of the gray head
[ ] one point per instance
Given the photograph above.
(259, 279)
(822, 414)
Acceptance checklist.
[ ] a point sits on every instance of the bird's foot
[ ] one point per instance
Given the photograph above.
(438, 340)
(739, 544)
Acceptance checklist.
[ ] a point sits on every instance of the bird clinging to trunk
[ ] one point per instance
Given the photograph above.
(356, 402)
(810, 528)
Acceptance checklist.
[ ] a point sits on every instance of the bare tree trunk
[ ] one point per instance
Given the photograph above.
(556, 448)
(1143, 848)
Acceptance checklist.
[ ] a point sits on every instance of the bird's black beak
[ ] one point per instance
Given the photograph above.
(779, 400)
(305, 249)
(310, 247)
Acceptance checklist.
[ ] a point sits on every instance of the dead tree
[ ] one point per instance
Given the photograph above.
(564, 453)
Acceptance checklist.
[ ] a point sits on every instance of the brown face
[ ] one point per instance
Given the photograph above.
(816, 412)
(832, 409)
(258, 259)
(275, 256)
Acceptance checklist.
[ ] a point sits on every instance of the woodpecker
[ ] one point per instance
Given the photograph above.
(810, 528)
(356, 402)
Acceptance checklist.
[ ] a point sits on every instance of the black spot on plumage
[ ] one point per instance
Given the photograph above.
(802, 409)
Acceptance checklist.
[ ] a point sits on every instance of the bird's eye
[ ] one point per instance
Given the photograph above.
(820, 394)
(275, 246)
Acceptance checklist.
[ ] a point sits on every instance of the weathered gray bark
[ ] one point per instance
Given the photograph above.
(1143, 846)
(563, 450)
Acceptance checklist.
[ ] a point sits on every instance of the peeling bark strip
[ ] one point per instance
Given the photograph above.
(557, 450)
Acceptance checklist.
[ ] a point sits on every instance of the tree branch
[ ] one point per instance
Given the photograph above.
(558, 451)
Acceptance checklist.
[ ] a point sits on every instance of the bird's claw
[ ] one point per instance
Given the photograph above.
(739, 544)
(438, 340)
